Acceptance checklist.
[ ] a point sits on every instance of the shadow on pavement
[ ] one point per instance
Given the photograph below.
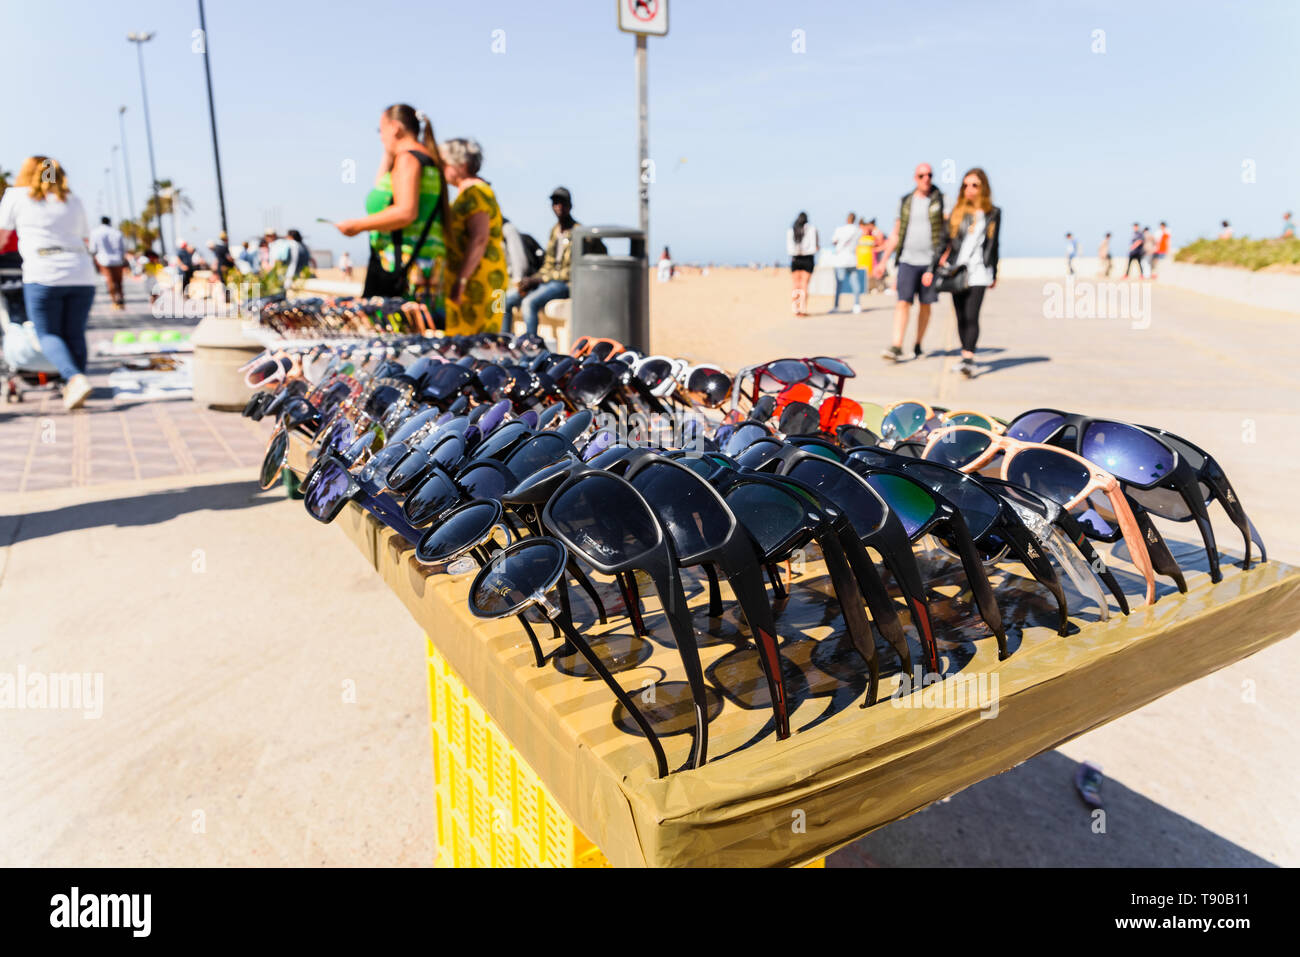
(1031, 816)
(147, 509)
(999, 364)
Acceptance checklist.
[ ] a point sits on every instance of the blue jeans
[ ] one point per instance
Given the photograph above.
(59, 314)
(532, 304)
(847, 280)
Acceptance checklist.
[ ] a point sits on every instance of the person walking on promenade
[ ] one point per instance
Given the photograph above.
(875, 283)
(917, 234)
(345, 265)
(1103, 256)
(58, 271)
(801, 244)
(971, 240)
(844, 243)
(1226, 231)
(1071, 250)
(108, 246)
(1148, 251)
(1134, 251)
(1288, 227)
(1162, 248)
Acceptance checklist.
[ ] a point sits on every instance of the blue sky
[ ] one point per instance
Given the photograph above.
(745, 131)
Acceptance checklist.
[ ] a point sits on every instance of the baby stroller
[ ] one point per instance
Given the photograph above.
(22, 364)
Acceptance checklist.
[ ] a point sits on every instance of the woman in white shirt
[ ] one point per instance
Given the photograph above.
(801, 244)
(58, 272)
(971, 241)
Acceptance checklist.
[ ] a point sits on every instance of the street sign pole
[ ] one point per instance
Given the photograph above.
(643, 138)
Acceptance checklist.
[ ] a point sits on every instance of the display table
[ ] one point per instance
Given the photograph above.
(845, 770)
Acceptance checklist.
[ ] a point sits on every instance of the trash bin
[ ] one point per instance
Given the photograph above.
(610, 293)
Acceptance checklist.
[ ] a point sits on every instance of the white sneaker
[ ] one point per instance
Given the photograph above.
(856, 309)
(75, 392)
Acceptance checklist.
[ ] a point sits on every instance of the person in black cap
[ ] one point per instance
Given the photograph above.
(552, 280)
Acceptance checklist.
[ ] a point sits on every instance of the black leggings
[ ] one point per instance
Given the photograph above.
(968, 305)
(1133, 258)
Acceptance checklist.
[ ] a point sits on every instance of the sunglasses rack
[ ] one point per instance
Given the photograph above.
(536, 762)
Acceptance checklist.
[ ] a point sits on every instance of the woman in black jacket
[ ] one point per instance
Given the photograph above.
(970, 250)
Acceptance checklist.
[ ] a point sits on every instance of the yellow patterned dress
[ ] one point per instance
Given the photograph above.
(482, 303)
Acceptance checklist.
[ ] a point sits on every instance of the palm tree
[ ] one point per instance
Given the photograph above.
(171, 199)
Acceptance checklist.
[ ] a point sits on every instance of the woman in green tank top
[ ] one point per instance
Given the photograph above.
(408, 189)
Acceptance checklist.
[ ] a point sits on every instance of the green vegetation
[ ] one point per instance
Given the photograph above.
(1245, 253)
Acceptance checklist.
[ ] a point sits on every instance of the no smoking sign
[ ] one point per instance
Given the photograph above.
(643, 16)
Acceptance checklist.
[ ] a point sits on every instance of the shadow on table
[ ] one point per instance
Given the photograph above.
(1032, 816)
(147, 509)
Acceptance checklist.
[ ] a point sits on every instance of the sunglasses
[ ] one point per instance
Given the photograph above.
(923, 511)
(1061, 535)
(994, 525)
(606, 522)
(781, 520)
(869, 518)
(1059, 474)
(703, 531)
(1153, 472)
(902, 420)
(520, 577)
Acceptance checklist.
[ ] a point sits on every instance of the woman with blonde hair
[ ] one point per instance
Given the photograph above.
(58, 272)
(968, 257)
(476, 279)
(408, 201)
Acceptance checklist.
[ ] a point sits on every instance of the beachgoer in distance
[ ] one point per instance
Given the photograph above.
(801, 244)
(844, 258)
(971, 240)
(917, 235)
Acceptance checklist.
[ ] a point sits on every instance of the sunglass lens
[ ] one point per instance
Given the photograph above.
(1126, 452)
(430, 499)
(328, 490)
(274, 460)
(1034, 426)
(484, 481)
(863, 509)
(977, 506)
(903, 421)
(1049, 473)
(909, 501)
(694, 519)
(769, 514)
(515, 575)
(958, 448)
(743, 437)
(606, 517)
(970, 418)
(458, 532)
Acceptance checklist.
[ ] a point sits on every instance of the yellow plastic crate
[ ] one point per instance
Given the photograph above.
(491, 809)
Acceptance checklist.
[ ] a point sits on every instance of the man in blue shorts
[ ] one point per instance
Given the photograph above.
(918, 233)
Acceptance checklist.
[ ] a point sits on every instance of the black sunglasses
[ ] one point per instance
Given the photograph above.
(606, 522)
(520, 577)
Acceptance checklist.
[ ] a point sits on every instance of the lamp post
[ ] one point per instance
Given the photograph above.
(117, 196)
(140, 39)
(212, 118)
(126, 164)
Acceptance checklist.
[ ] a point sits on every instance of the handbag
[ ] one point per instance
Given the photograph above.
(952, 278)
(396, 284)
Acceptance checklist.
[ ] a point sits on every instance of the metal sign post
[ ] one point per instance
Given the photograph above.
(643, 18)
